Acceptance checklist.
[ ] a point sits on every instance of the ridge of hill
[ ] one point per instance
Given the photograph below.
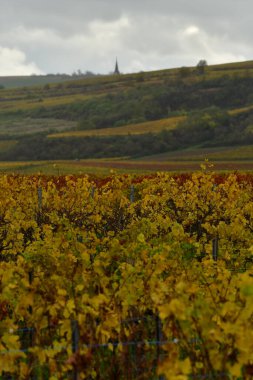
(10, 82)
(131, 115)
(37, 80)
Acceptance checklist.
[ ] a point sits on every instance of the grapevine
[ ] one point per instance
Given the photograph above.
(129, 262)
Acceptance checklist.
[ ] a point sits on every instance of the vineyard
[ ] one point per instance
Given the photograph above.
(126, 277)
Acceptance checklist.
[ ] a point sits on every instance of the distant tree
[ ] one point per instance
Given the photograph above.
(79, 73)
(1, 87)
(76, 73)
(201, 66)
(89, 73)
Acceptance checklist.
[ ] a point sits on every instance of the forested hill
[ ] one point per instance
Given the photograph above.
(130, 115)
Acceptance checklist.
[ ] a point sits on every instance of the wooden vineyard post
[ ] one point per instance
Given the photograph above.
(132, 193)
(158, 341)
(92, 192)
(75, 343)
(215, 240)
(39, 216)
(215, 248)
(31, 330)
(40, 198)
(30, 279)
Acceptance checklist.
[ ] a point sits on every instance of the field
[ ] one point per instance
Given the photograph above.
(135, 129)
(154, 126)
(15, 126)
(33, 103)
(176, 164)
(233, 154)
(126, 277)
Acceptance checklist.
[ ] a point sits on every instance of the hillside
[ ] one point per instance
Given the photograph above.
(134, 115)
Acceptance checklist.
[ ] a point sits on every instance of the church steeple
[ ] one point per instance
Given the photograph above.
(116, 70)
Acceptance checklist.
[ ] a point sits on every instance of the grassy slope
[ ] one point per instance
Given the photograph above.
(155, 126)
(31, 80)
(73, 90)
(241, 153)
(135, 129)
(19, 127)
(66, 92)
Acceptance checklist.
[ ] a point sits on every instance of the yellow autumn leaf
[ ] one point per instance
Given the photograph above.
(61, 292)
(141, 238)
(11, 341)
(110, 346)
(236, 369)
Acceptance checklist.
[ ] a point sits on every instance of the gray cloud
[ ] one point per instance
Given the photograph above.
(63, 36)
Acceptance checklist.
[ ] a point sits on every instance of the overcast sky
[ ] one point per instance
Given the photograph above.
(62, 36)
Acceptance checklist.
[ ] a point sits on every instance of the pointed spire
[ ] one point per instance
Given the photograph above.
(116, 70)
